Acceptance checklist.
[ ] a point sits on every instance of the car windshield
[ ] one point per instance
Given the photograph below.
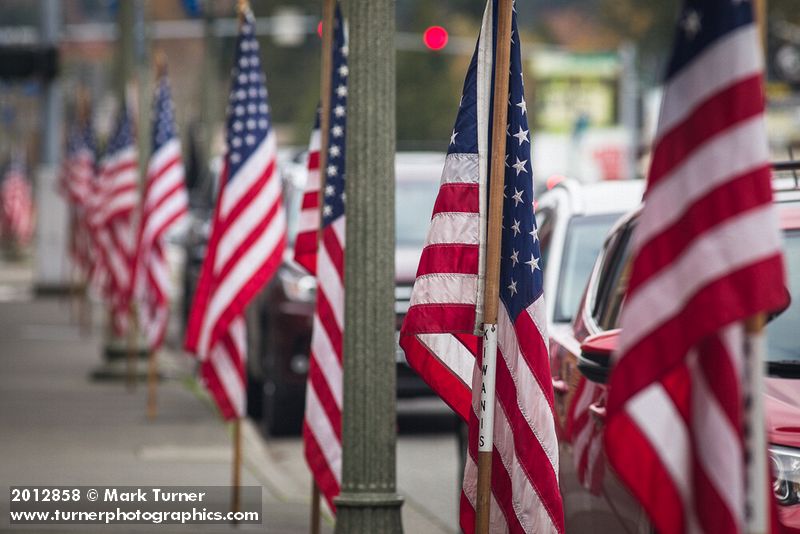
(584, 240)
(413, 207)
(293, 199)
(782, 339)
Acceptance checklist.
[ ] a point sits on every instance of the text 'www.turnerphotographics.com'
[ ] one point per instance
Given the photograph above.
(31, 505)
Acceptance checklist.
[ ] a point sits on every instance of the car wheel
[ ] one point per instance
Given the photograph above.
(254, 402)
(282, 413)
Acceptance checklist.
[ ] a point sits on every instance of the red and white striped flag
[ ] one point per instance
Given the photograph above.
(111, 218)
(586, 436)
(16, 201)
(165, 201)
(248, 233)
(707, 255)
(447, 301)
(322, 427)
(77, 185)
(305, 243)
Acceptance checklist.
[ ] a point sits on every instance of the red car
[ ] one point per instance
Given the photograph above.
(594, 499)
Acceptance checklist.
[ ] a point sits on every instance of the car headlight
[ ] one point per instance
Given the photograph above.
(786, 469)
(299, 288)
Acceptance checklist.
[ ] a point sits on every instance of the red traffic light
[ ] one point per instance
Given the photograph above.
(319, 29)
(435, 37)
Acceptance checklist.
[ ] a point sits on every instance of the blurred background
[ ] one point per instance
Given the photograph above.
(593, 68)
(592, 74)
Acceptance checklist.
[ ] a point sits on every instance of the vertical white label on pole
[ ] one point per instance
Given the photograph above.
(756, 440)
(488, 372)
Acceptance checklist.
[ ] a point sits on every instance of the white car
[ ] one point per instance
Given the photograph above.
(573, 220)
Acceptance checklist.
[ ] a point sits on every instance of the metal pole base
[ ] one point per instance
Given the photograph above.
(368, 512)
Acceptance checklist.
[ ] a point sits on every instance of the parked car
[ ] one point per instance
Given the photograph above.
(573, 220)
(594, 498)
(280, 317)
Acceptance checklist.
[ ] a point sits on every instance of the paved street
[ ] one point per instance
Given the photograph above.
(60, 427)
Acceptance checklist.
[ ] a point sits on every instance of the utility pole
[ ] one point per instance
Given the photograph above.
(628, 105)
(144, 90)
(369, 501)
(124, 60)
(210, 111)
(117, 349)
(52, 267)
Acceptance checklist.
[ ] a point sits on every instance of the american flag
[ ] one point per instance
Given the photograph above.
(586, 435)
(305, 243)
(165, 202)
(77, 185)
(248, 233)
(322, 428)
(707, 255)
(79, 164)
(438, 332)
(111, 218)
(16, 201)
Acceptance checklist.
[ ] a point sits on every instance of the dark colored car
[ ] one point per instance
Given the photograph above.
(594, 498)
(283, 316)
(280, 318)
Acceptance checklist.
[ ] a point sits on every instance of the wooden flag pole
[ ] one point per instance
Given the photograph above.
(757, 490)
(325, 82)
(315, 507)
(152, 384)
(152, 356)
(84, 305)
(133, 335)
(236, 478)
(492, 289)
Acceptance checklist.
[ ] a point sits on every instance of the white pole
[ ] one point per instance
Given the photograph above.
(756, 492)
(488, 372)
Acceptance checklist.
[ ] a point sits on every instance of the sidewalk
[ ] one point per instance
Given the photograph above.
(61, 428)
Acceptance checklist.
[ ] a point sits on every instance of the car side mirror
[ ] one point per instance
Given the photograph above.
(594, 361)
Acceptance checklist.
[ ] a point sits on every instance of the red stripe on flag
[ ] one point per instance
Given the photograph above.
(716, 114)
(334, 249)
(732, 297)
(527, 447)
(457, 198)
(434, 318)
(534, 352)
(647, 476)
(246, 200)
(323, 476)
(328, 322)
(739, 195)
(438, 376)
(449, 258)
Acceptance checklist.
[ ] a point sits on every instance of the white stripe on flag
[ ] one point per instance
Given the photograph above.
(326, 358)
(460, 169)
(731, 59)
(248, 174)
(452, 353)
(450, 227)
(654, 413)
(729, 246)
(246, 222)
(241, 273)
(334, 290)
(727, 155)
(444, 289)
(323, 432)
